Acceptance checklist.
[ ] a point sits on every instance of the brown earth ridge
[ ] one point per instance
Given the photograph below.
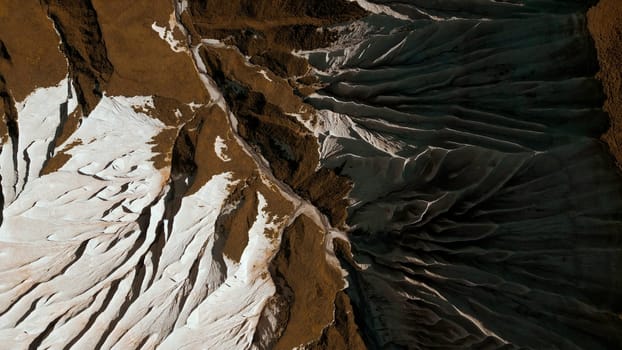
(605, 25)
(290, 149)
(109, 48)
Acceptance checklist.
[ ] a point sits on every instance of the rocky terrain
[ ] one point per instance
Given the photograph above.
(207, 174)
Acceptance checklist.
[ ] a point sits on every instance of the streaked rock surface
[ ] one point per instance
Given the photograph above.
(486, 211)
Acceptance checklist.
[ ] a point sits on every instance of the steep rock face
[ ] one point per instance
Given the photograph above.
(288, 146)
(310, 299)
(82, 43)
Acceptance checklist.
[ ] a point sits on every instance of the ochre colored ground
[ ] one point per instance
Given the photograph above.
(605, 24)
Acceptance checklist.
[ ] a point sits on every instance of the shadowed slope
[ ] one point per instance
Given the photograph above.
(486, 211)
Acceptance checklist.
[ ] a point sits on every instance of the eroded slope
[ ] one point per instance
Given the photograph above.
(485, 208)
(198, 174)
(137, 211)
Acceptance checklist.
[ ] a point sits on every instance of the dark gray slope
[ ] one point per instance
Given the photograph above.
(498, 222)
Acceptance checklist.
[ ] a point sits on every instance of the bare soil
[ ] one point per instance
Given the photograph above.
(605, 25)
